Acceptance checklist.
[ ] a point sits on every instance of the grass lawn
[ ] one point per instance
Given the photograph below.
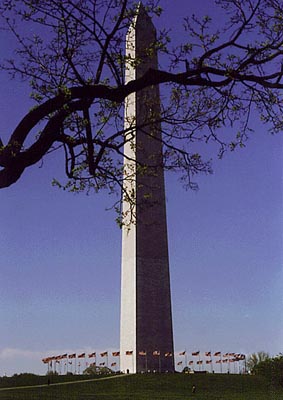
(155, 387)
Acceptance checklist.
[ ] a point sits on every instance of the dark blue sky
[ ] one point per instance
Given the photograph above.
(60, 253)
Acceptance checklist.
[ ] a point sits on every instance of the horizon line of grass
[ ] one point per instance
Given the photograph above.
(153, 386)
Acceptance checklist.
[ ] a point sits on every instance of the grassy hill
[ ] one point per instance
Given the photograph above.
(147, 387)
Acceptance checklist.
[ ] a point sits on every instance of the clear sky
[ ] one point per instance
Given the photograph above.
(60, 253)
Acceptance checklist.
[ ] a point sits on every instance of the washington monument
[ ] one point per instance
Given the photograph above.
(146, 337)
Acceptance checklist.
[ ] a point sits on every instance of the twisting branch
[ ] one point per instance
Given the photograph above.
(216, 78)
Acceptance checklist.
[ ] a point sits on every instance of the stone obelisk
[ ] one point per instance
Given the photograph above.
(146, 341)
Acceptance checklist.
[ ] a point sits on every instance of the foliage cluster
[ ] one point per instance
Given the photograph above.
(255, 358)
(272, 369)
(96, 370)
